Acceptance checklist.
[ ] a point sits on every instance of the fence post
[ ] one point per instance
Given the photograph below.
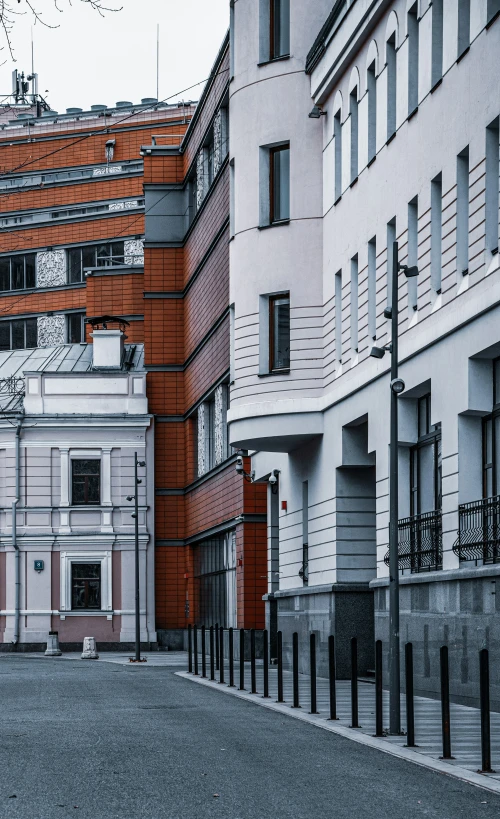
(266, 663)
(196, 649)
(212, 658)
(221, 648)
(332, 676)
(203, 653)
(280, 667)
(217, 646)
(354, 683)
(242, 659)
(445, 702)
(231, 658)
(484, 686)
(190, 650)
(410, 710)
(312, 660)
(295, 660)
(252, 661)
(379, 717)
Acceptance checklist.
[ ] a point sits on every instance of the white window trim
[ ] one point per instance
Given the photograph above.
(67, 559)
(103, 454)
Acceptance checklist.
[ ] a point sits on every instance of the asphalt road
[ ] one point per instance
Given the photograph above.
(96, 740)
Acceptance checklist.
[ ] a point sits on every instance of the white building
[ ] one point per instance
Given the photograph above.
(72, 418)
(403, 146)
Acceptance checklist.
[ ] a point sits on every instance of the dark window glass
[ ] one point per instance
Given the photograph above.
(279, 325)
(117, 252)
(88, 258)
(496, 381)
(279, 194)
(86, 481)
(74, 265)
(279, 28)
(5, 335)
(4, 274)
(31, 333)
(85, 585)
(17, 272)
(30, 263)
(18, 335)
(425, 463)
(75, 328)
(491, 441)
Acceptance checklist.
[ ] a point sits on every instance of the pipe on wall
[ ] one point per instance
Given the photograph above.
(17, 565)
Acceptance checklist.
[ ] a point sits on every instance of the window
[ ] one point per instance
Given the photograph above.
(20, 334)
(354, 305)
(437, 42)
(85, 586)
(213, 441)
(337, 133)
(436, 232)
(492, 9)
(76, 328)
(492, 185)
(279, 183)
(279, 333)
(103, 255)
(413, 252)
(86, 482)
(391, 87)
(215, 578)
(425, 463)
(372, 288)
(462, 213)
(391, 238)
(463, 36)
(338, 316)
(371, 83)
(279, 28)
(304, 571)
(18, 272)
(491, 440)
(413, 46)
(353, 110)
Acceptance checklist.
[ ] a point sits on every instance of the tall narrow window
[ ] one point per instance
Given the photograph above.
(85, 585)
(231, 39)
(492, 9)
(338, 316)
(304, 571)
(412, 251)
(353, 110)
(354, 305)
(413, 46)
(75, 327)
(492, 185)
(372, 288)
(86, 482)
(491, 441)
(337, 133)
(279, 183)
(462, 213)
(391, 238)
(463, 35)
(437, 42)
(279, 19)
(391, 86)
(371, 83)
(279, 332)
(436, 232)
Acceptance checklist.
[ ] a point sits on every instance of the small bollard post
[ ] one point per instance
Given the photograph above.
(280, 667)
(221, 661)
(231, 659)
(410, 709)
(484, 691)
(252, 661)
(216, 646)
(295, 660)
(312, 661)
(354, 683)
(242, 659)
(445, 702)
(195, 643)
(265, 636)
(379, 720)
(203, 653)
(212, 658)
(332, 675)
(190, 650)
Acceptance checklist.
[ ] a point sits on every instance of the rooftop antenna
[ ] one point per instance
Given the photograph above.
(158, 62)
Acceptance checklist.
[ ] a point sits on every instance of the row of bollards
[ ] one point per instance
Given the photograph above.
(216, 655)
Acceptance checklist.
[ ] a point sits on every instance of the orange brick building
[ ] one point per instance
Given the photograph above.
(125, 211)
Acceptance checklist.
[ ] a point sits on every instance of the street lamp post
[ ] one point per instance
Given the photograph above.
(135, 515)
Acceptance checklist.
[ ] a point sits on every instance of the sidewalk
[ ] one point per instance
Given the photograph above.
(464, 721)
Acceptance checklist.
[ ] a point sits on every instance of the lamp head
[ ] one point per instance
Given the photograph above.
(377, 352)
(316, 113)
(130, 497)
(398, 385)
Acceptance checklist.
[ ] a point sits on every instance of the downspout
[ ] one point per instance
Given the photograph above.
(17, 564)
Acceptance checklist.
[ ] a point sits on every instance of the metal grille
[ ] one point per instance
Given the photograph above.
(479, 530)
(420, 546)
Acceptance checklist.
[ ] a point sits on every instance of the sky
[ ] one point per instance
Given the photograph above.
(91, 59)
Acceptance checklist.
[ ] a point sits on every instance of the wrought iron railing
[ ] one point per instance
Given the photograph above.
(420, 542)
(479, 530)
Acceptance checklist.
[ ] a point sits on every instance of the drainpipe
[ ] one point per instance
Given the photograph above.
(17, 565)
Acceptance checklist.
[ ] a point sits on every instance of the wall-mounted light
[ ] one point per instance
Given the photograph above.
(317, 112)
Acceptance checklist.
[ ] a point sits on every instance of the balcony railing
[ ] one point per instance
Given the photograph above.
(479, 530)
(420, 542)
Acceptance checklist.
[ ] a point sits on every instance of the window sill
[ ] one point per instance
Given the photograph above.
(436, 85)
(353, 182)
(371, 161)
(462, 55)
(86, 613)
(274, 60)
(274, 224)
(492, 20)
(389, 139)
(274, 372)
(337, 200)
(412, 113)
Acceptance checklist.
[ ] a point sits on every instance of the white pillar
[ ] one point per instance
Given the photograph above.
(64, 476)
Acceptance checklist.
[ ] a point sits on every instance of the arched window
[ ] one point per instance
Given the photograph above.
(413, 45)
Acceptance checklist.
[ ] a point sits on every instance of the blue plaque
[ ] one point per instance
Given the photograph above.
(39, 565)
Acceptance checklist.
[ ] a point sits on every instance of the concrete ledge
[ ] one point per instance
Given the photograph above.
(442, 576)
(328, 588)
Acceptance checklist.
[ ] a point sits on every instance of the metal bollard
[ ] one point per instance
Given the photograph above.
(484, 689)
(312, 662)
(203, 653)
(445, 702)
(190, 650)
(221, 662)
(265, 636)
(280, 667)
(217, 646)
(354, 683)
(332, 675)
(231, 659)
(212, 658)
(379, 720)
(196, 649)
(295, 660)
(410, 710)
(242, 659)
(252, 661)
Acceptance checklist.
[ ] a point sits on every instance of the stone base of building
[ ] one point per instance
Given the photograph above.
(177, 640)
(28, 648)
(460, 609)
(342, 609)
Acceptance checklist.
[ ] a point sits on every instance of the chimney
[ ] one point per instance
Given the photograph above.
(108, 349)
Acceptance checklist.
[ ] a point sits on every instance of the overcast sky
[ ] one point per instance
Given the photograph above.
(91, 59)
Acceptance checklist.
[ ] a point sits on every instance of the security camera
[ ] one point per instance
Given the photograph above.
(239, 465)
(397, 385)
(273, 479)
(130, 497)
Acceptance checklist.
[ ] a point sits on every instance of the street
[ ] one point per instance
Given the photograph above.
(102, 740)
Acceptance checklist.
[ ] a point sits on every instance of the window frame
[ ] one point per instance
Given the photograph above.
(106, 260)
(431, 437)
(491, 419)
(86, 502)
(23, 321)
(86, 581)
(273, 152)
(272, 346)
(67, 559)
(9, 259)
(276, 27)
